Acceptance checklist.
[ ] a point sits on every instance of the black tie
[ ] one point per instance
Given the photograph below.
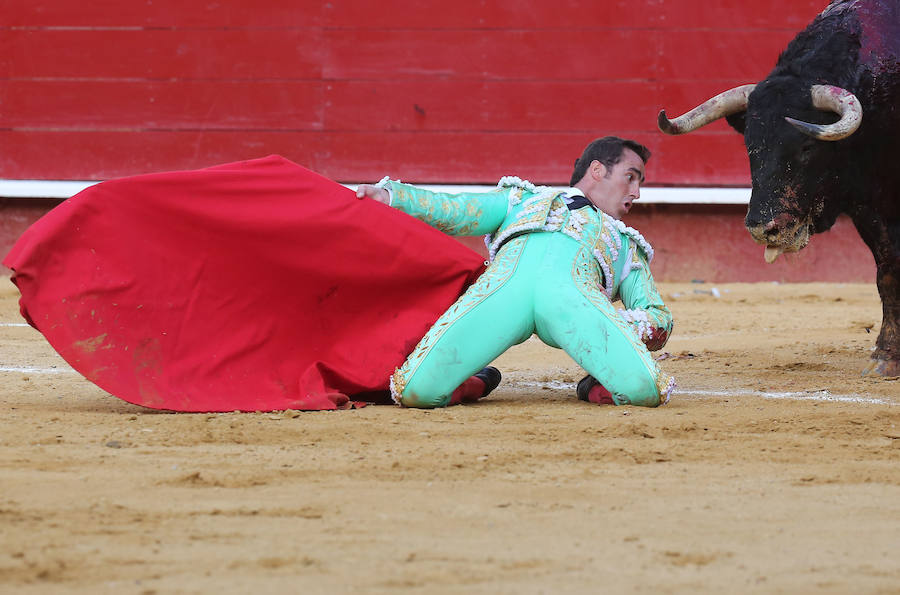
(578, 202)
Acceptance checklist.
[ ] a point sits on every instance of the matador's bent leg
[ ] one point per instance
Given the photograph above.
(573, 313)
(494, 314)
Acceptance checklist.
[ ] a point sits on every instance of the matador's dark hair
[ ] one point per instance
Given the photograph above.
(608, 151)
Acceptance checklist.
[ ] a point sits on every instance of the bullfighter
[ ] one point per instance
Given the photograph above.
(558, 259)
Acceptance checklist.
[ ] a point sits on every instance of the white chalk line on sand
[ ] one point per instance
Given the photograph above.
(14, 324)
(816, 395)
(31, 370)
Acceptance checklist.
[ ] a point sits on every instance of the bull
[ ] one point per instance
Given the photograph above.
(822, 133)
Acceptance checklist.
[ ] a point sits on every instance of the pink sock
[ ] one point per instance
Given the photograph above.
(598, 394)
(468, 392)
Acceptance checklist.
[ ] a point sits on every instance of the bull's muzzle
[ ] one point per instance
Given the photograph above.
(784, 233)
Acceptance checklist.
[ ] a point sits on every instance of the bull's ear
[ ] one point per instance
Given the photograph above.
(737, 121)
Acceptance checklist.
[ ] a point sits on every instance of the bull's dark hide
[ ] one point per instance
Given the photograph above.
(801, 183)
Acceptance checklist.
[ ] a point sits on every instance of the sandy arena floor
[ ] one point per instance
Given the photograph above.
(775, 469)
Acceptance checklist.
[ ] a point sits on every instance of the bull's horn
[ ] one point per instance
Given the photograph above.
(724, 104)
(837, 100)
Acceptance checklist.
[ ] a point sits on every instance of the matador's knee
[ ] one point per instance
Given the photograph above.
(419, 397)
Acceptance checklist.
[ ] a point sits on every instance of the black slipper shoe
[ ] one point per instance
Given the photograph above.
(584, 387)
(491, 378)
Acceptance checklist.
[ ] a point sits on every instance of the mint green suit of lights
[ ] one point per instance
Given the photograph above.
(553, 272)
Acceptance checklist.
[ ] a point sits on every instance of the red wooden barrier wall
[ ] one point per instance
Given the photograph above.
(463, 91)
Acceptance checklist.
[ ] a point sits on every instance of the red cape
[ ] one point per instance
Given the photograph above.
(251, 286)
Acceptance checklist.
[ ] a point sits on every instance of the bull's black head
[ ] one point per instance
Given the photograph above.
(789, 122)
(795, 176)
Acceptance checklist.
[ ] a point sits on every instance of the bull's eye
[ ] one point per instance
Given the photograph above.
(805, 153)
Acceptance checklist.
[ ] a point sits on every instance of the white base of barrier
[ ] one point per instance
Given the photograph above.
(654, 195)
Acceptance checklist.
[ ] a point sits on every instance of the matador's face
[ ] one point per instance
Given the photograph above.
(614, 190)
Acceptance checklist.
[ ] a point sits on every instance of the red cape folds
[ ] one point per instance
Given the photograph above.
(251, 286)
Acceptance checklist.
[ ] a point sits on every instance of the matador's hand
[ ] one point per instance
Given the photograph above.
(375, 193)
(657, 341)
